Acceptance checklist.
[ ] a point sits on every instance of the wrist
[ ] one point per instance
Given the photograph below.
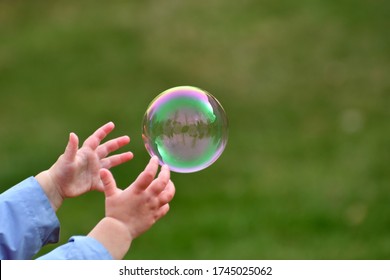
(113, 235)
(50, 188)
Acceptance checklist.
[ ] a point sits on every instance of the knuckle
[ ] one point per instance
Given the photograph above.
(148, 175)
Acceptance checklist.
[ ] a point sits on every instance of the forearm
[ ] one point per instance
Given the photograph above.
(113, 235)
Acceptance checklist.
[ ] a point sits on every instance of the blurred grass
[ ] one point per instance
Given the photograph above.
(305, 85)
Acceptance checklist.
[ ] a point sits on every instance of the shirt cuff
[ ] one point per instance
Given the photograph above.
(79, 248)
(27, 220)
(40, 211)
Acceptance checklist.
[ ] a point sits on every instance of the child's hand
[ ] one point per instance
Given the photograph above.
(132, 211)
(144, 202)
(77, 170)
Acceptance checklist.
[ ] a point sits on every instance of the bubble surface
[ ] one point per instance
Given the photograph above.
(186, 128)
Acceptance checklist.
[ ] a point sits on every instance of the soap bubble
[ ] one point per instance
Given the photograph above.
(186, 128)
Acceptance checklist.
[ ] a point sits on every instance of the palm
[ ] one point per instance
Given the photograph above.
(80, 175)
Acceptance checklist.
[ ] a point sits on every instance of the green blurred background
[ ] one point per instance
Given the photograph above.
(305, 84)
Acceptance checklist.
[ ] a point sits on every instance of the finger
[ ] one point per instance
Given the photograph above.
(147, 176)
(71, 147)
(167, 194)
(108, 180)
(116, 160)
(162, 211)
(159, 184)
(94, 140)
(112, 145)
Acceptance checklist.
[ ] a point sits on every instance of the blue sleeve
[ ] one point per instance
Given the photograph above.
(79, 248)
(27, 221)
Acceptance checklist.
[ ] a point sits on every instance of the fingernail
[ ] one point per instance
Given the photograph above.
(154, 158)
(166, 166)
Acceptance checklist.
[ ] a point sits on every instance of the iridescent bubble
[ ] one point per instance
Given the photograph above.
(186, 128)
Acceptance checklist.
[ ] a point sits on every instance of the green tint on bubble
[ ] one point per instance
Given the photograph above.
(186, 128)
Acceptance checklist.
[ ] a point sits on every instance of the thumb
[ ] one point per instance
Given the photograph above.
(109, 184)
(72, 147)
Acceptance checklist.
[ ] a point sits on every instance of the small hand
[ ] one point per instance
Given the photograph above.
(77, 170)
(143, 203)
(132, 211)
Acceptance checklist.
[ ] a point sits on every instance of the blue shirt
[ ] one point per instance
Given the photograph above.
(28, 222)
